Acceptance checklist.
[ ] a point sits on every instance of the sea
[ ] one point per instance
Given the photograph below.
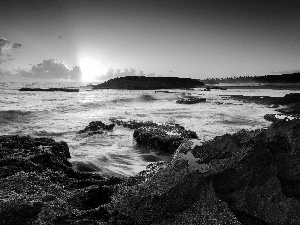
(60, 115)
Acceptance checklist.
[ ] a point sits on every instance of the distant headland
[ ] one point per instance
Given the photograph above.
(291, 78)
(148, 83)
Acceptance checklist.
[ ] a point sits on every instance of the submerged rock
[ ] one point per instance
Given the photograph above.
(161, 137)
(250, 177)
(96, 127)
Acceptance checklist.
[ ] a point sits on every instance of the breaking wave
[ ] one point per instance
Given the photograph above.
(142, 98)
(14, 116)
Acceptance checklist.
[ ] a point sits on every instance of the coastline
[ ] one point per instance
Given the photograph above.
(218, 180)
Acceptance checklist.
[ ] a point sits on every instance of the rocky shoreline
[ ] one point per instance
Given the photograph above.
(249, 177)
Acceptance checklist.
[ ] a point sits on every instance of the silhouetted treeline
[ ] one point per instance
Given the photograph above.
(284, 78)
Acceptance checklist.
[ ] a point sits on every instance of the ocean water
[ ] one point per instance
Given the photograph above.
(60, 115)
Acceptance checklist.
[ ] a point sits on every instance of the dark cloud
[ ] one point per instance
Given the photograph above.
(60, 37)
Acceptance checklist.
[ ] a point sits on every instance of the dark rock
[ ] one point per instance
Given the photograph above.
(190, 100)
(149, 83)
(216, 87)
(39, 186)
(161, 137)
(96, 127)
(50, 89)
(251, 177)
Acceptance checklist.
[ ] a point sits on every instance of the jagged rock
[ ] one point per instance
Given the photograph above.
(39, 186)
(96, 127)
(161, 137)
(250, 177)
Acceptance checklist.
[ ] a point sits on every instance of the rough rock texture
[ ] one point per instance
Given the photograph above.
(250, 177)
(39, 186)
(161, 137)
(96, 127)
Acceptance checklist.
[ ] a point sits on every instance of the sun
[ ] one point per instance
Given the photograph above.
(91, 68)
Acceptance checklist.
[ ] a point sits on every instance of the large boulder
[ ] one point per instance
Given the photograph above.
(250, 177)
(161, 137)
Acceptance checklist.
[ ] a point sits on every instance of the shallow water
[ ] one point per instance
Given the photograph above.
(60, 115)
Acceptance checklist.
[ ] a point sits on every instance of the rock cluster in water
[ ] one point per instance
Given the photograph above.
(161, 137)
(96, 127)
(250, 177)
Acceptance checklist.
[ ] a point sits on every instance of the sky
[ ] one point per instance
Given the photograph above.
(87, 40)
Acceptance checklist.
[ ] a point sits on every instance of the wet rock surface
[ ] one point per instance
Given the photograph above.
(96, 127)
(39, 186)
(161, 137)
(250, 177)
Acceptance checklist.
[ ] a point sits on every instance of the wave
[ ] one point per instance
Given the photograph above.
(147, 98)
(14, 116)
(44, 133)
(142, 98)
(85, 167)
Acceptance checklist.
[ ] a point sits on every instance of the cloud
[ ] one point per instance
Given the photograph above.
(286, 71)
(60, 37)
(110, 74)
(50, 69)
(5, 46)
(16, 45)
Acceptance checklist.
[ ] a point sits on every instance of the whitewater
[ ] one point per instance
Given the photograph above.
(60, 115)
